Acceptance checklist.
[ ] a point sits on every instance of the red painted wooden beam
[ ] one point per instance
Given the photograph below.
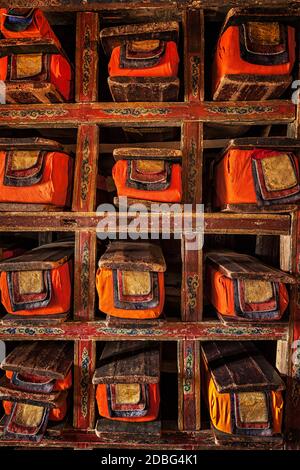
(159, 114)
(253, 224)
(169, 331)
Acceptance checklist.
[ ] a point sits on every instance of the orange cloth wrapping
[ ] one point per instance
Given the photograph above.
(220, 293)
(167, 66)
(55, 414)
(60, 295)
(104, 284)
(52, 189)
(220, 408)
(60, 69)
(62, 384)
(172, 194)
(60, 74)
(154, 400)
(234, 182)
(228, 59)
(39, 27)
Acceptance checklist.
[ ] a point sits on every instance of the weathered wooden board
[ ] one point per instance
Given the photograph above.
(106, 428)
(132, 256)
(241, 266)
(11, 320)
(117, 35)
(142, 153)
(239, 367)
(233, 441)
(128, 362)
(50, 359)
(30, 143)
(43, 257)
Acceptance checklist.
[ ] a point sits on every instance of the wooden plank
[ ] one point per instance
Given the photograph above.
(251, 224)
(193, 24)
(87, 35)
(30, 143)
(239, 367)
(192, 283)
(241, 266)
(128, 362)
(169, 331)
(43, 257)
(189, 391)
(132, 256)
(84, 392)
(75, 5)
(192, 149)
(117, 35)
(170, 440)
(142, 153)
(148, 114)
(292, 411)
(86, 168)
(49, 359)
(105, 428)
(84, 287)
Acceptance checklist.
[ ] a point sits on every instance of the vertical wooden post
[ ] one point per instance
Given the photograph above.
(188, 352)
(84, 391)
(192, 149)
(86, 90)
(84, 282)
(188, 385)
(86, 169)
(87, 35)
(192, 283)
(292, 349)
(84, 197)
(194, 55)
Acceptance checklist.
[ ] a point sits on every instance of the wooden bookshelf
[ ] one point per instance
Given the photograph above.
(89, 116)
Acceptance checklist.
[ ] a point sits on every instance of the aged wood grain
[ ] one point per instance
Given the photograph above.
(188, 359)
(128, 362)
(171, 330)
(43, 257)
(86, 168)
(84, 279)
(241, 266)
(84, 391)
(50, 359)
(160, 114)
(87, 32)
(239, 367)
(132, 256)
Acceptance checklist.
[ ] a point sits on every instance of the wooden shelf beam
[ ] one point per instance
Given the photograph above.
(158, 114)
(169, 331)
(214, 223)
(202, 440)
